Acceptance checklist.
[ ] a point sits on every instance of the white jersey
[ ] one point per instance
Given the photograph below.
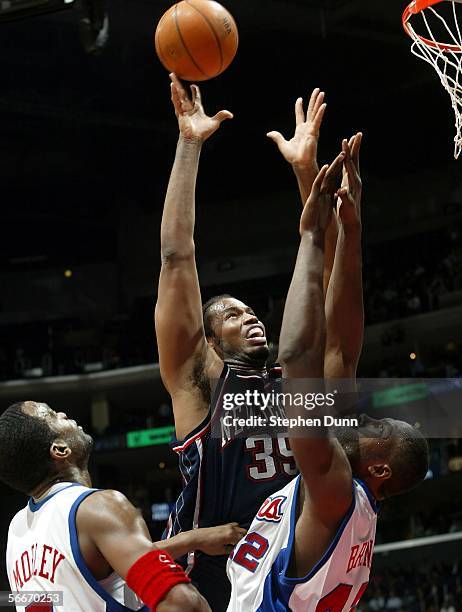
(258, 569)
(43, 554)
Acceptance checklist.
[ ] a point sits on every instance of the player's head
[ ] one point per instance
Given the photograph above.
(37, 445)
(234, 331)
(390, 456)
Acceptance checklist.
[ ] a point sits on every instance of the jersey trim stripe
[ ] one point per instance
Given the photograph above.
(34, 506)
(189, 441)
(112, 604)
(197, 508)
(375, 504)
(323, 560)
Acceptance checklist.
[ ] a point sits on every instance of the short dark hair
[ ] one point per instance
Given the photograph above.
(25, 442)
(409, 463)
(207, 316)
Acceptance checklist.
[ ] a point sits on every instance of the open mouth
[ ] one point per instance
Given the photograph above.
(256, 335)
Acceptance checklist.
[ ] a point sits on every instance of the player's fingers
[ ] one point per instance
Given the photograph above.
(354, 180)
(196, 94)
(317, 121)
(240, 532)
(336, 165)
(175, 98)
(276, 137)
(318, 103)
(316, 189)
(299, 114)
(344, 197)
(346, 147)
(312, 102)
(333, 174)
(223, 115)
(355, 150)
(179, 86)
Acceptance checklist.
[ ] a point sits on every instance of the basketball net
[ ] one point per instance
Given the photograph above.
(445, 57)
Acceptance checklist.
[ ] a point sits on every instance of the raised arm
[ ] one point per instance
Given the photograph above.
(114, 536)
(323, 465)
(344, 301)
(301, 153)
(302, 149)
(178, 315)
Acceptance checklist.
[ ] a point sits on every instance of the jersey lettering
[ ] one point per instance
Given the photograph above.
(43, 565)
(271, 509)
(360, 555)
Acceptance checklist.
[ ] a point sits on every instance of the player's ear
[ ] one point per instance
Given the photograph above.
(381, 471)
(59, 450)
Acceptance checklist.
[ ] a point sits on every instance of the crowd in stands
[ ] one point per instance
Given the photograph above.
(432, 588)
(405, 278)
(401, 279)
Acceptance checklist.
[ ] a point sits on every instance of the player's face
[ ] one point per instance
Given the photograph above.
(239, 333)
(67, 429)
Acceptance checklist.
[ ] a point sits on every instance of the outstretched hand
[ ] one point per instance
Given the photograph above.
(318, 208)
(301, 150)
(349, 195)
(194, 124)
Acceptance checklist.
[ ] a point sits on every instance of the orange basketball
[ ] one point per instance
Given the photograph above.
(196, 39)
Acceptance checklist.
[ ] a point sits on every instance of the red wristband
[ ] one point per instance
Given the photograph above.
(153, 575)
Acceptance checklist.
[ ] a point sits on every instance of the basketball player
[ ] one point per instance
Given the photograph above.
(309, 548)
(221, 341)
(81, 541)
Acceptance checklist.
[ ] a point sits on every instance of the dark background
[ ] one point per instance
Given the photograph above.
(86, 146)
(86, 141)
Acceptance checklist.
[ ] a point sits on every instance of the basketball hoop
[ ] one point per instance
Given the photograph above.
(441, 47)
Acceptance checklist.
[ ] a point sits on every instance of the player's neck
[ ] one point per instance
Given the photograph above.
(245, 368)
(73, 475)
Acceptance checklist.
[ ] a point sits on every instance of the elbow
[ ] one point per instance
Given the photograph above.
(171, 254)
(183, 597)
(288, 356)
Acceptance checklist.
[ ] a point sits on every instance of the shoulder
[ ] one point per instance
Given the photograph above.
(103, 509)
(19, 517)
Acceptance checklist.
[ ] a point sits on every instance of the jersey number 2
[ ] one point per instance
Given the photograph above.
(251, 551)
(336, 599)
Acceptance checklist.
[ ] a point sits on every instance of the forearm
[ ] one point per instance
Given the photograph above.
(330, 245)
(181, 544)
(302, 340)
(177, 228)
(344, 306)
(305, 178)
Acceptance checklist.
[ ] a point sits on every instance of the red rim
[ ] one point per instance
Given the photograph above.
(416, 6)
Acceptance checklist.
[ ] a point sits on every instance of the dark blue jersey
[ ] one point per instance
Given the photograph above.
(226, 478)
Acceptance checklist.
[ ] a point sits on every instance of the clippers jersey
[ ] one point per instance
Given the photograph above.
(225, 479)
(43, 554)
(259, 565)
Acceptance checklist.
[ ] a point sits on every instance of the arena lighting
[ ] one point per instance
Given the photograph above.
(18, 9)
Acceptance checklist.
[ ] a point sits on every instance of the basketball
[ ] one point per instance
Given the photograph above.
(196, 39)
